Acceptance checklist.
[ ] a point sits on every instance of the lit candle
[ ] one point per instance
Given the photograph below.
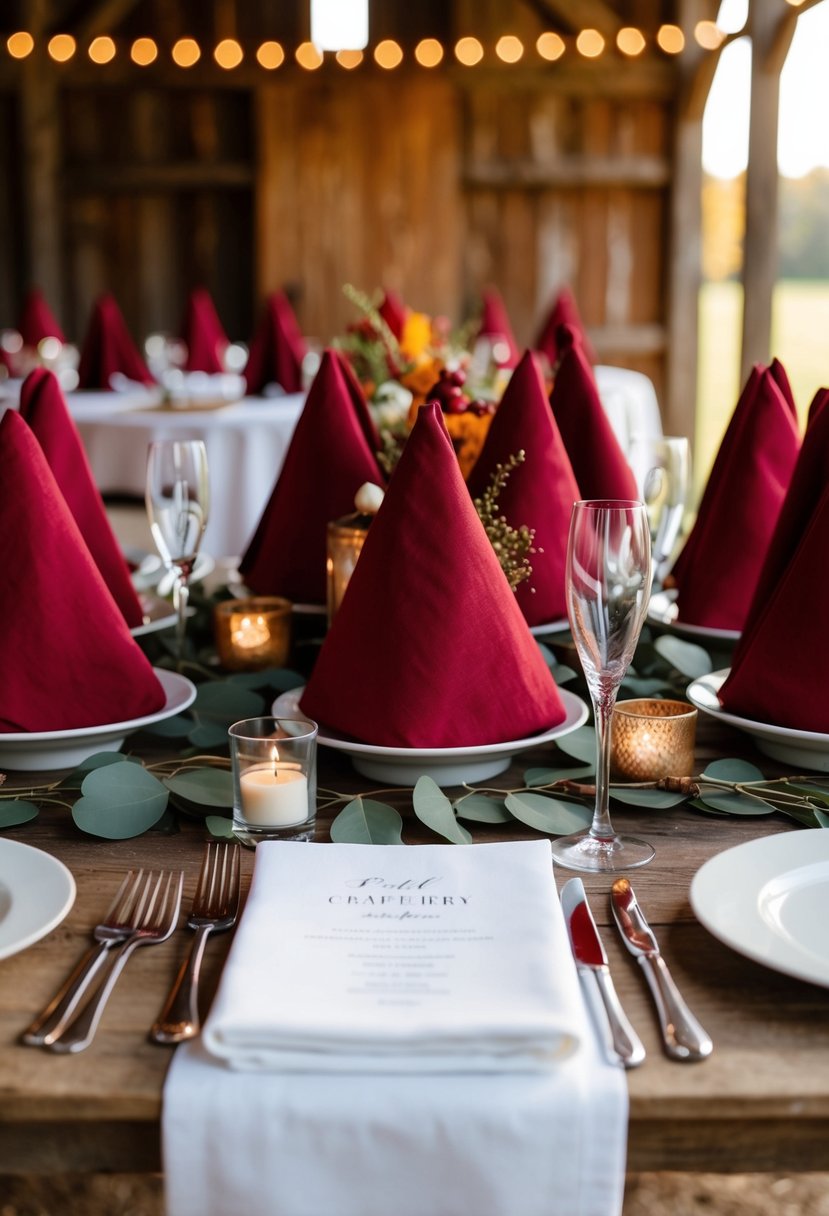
(275, 794)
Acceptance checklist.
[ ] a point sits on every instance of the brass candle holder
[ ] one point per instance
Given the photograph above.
(650, 739)
(253, 633)
(344, 543)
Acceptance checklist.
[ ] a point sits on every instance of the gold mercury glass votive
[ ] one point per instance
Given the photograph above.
(253, 633)
(344, 543)
(650, 739)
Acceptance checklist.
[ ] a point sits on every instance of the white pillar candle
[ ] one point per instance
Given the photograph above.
(274, 795)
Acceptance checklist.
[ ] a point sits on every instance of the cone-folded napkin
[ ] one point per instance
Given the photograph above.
(539, 493)
(564, 311)
(393, 311)
(202, 334)
(429, 647)
(277, 350)
(37, 321)
(67, 657)
(326, 463)
(358, 401)
(495, 325)
(43, 407)
(108, 348)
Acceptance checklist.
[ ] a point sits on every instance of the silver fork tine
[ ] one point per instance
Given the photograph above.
(215, 908)
(117, 923)
(160, 904)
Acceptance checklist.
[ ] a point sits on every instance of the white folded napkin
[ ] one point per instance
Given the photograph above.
(354, 958)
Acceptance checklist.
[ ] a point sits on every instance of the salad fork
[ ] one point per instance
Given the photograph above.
(160, 903)
(122, 917)
(215, 908)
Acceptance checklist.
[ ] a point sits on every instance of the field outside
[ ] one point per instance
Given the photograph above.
(800, 339)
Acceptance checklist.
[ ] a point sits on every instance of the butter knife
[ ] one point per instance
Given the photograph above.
(683, 1037)
(590, 957)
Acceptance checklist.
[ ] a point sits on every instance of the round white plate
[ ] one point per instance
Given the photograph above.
(767, 899)
(150, 569)
(36, 892)
(800, 748)
(158, 614)
(446, 765)
(552, 627)
(50, 749)
(663, 609)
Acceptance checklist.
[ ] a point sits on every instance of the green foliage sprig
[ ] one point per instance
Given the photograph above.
(513, 546)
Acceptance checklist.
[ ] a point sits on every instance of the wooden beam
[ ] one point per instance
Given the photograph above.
(571, 172)
(103, 17)
(587, 14)
(97, 179)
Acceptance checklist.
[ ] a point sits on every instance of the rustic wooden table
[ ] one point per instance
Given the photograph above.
(761, 1102)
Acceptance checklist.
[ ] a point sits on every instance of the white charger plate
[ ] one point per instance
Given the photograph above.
(550, 627)
(150, 570)
(767, 899)
(800, 748)
(36, 892)
(663, 609)
(52, 749)
(446, 765)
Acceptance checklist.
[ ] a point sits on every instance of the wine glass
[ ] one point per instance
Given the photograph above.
(608, 583)
(178, 498)
(665, 491)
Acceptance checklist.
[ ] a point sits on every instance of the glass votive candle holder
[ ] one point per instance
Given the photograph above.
(650, 739)
(253, 633)
(344, 544)
(274, 763)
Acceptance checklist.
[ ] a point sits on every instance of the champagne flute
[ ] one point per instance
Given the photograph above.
(665, 492)
(178, 499)
(608, 582)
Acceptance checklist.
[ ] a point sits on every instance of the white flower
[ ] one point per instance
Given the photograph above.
(368, 498)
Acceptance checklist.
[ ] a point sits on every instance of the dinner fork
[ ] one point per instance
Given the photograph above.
(160, 900)
(122, 917)
(215, 908)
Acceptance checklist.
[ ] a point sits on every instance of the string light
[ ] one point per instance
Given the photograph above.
(708, 35)
(349, 59)
(630, 41)
(186, 52)
(590, 43)
(428, 53)
(670, 39)
(143, 52)
(228, 54)
(101, 50)
(509, 49)
(270, 56)
(61, 47)
(20, 45)
(308, 57)
(468, 51)
(387, 54)
(550, 46)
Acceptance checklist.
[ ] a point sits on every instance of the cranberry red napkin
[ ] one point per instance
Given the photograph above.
(429, 647)
(43, 407)
(563, 312)
(67, 658)
(277, 350)
(108, 348)
(597, 459)
(780, 669)
(327, 462)
(540, 492)
(358, 401)
(202, 334)
(817, 403)
(716, 572)
(37, 320)
(393, 311)
(495, 325)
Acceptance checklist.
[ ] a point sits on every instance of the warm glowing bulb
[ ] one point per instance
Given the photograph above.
(670, 39)
(143, 52)
(20, 45)
(61, 47)
(228, 54)
(101, 50)
(186, 52)
(428, 52)
(509, 48)
(308, 57)
(630, 41)
(550, 46)
(270, 55)
(349, 59)
(387, 54)
(708, 35)
(468, 51)
(590, 43)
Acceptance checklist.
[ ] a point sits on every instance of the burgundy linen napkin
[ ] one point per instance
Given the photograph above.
(598, 462)
(37, 320)
(564, 311)
(43, 407)
(816, 405)
(326, 463)
(717, 570)
(539, 493)
(66, 655)
(393, 311)
(202, 334)
(277, 350)
(429, 647)
(495, 324)
(780, 669)
(358, 401)
(108, 348)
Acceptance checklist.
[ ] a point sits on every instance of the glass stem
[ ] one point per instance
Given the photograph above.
(181, 595)
(603, 701)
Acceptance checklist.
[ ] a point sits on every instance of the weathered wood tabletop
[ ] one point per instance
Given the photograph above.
(761, 1102)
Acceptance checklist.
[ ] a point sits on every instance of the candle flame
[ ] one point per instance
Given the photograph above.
(274, 759)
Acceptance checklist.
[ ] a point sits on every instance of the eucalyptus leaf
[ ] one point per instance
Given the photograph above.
(224, 703)
(17, 811)
(736, 804)
(645, 686)
(546, 654)
(562, 674)
(580, 744)
(208, 734)
(690, 660)
(546, 776)
(733, 770)
(119, 801)
(812, 792)
(219, 827)
(168, 823)
(698, 805)
(204, 786)
(178, 727)
(482, 808)
(364, 821)
(822, 818)
(433, 808)
(547, 814)
(74, 779)
(658, 800)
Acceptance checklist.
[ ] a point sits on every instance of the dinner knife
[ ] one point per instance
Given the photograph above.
(682, 1034)
(590, 957)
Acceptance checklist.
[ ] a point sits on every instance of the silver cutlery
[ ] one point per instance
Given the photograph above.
(159, 909)
(683, 1037)
(591, 959)
(215, 908)
(122, 917)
